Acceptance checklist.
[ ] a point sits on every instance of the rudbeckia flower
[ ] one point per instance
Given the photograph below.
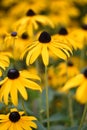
(79, 81)
(9, 40)
(16, 120)
(43, 45)
(81, 35)
(30, 22)
(67, 69)
(66, 36)
(4, 59)
(17, 81)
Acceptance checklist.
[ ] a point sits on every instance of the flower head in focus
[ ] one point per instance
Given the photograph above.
(43, 45)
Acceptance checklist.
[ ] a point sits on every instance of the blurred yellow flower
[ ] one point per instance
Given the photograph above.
(79, 81)
(17, 81)
(16, 120)
(30, 22)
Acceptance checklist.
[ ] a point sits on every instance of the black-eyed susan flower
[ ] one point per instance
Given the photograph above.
(16, 120)
(43, 45)
(30, 22)
(79, 81)
(9, 40)
(17, 81)
(67, 69)
(66, 36)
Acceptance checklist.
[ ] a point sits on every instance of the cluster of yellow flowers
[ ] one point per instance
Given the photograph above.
(28, 30)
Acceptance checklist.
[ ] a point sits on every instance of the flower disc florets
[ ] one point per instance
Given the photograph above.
(84, 26)
(69, 63)
(44, 37)
(63, 31)
(24, 36)
(13, 74)
(30, 12)
(13, 34)
(85, 72)
(14, 116)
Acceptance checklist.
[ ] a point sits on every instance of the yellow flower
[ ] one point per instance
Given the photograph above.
(9, 40)
(30, 22)
(16, 120)
(80, 34)
(66, 36)
(79, 81)
(4, 59)
(43, 45)
(67, 69)
(17, 81)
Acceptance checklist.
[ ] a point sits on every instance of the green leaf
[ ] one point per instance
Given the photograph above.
(40, 126)
(72, 128)
(58, 127)
(57, 117)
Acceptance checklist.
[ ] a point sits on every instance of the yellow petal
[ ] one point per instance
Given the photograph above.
(28, 75)
(33, 54)
(17, 126)
(45, 55)
(81, 93)
(13, 94)
(74, 82)
(58, 52)
(21, 89)
(5, 126)
(6, 90)
(28, 118)
(31, 84)
(11, 127)
(3, 81)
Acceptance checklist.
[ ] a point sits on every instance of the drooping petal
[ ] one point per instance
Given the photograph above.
(21, 89)
(14, 95)
(81, 93)
(6, 91)
(74, 82)
(58, 52)
(45, 55)
(33, 54)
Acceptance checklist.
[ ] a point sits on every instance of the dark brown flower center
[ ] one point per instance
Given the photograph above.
(63, 31)
(85, 72)
(30, 12)
(14, 116)
(70, 63)
(24, 36)
(13, 34)
(13, 74)
(44, 37)
(84, 26)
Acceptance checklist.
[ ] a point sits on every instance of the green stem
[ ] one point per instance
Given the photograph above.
(23, 106)
(70, 109)
(47, 100)
(83, 117)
